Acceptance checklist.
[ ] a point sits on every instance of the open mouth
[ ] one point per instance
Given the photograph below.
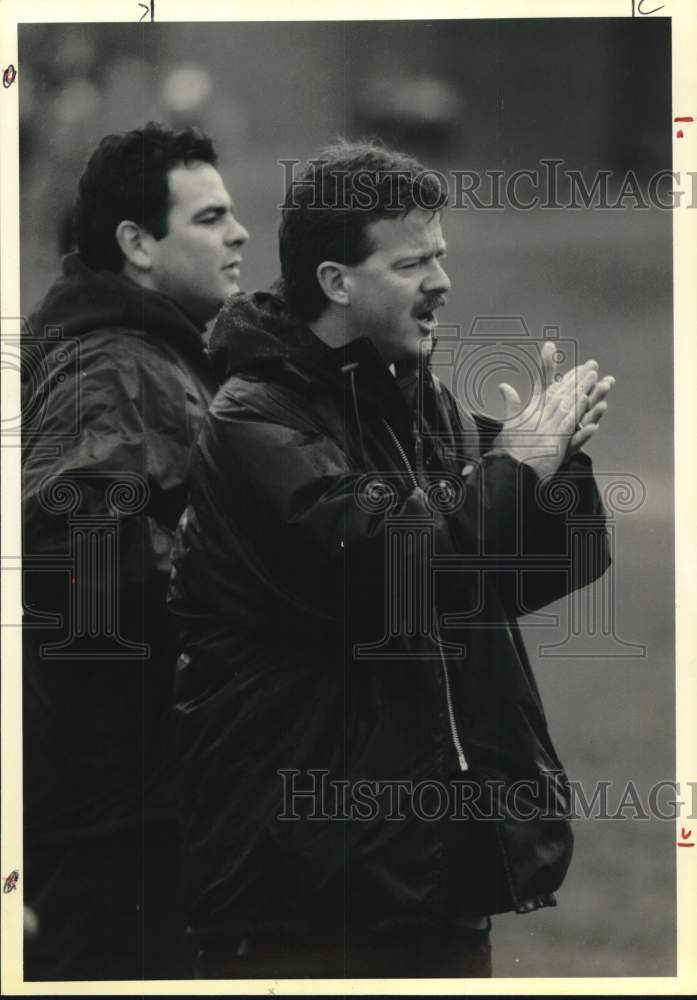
(427, 320)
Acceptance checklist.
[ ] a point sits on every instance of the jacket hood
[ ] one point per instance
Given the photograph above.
(257, 332)
(256, 329)
(82, 301)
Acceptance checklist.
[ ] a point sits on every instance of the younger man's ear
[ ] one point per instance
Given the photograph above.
(134, 244)
(332, 280)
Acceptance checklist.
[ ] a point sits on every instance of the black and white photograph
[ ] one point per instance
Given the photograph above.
(342, 445)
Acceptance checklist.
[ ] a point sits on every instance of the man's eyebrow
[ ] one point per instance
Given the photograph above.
(217, 208)
(420, 254)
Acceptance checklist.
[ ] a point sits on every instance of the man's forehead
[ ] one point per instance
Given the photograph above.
(418, 230)
(193, 186)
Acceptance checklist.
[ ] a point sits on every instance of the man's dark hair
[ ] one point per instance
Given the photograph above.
(327, 209)
(126, 178)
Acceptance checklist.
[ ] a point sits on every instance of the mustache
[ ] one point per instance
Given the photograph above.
(432, 302)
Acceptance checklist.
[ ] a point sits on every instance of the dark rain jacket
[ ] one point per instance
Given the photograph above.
(115, 384)
(347, 576)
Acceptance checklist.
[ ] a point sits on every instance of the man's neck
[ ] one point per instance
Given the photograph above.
(145, 280)
(332, 329)
(138, 277)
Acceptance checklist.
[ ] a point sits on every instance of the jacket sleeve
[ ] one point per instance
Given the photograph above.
(542, 538)
(275, 496)
(539, 539)
(564, 531)
(119, 464)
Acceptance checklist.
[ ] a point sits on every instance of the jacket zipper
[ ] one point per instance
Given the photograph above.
(402, 453)
(457, 743)
(461, 759)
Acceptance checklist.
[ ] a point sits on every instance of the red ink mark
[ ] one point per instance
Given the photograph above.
(685, 834)
(9, 76)
(11, 881)
(682, 118)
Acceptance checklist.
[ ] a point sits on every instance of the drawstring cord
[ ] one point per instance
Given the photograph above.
(350, 370)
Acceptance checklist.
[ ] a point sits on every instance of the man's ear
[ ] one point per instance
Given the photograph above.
(332, 280)
(135, 244)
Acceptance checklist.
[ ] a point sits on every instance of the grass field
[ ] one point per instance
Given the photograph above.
(612, 721)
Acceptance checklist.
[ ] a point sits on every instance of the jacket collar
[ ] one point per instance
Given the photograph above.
(82, 301)
(256, 333)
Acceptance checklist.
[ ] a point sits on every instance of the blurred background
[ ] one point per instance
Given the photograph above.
(461, 95)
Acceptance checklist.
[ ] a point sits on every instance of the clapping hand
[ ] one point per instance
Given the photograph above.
(562, 415)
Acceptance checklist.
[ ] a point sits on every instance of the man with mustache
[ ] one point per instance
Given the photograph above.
(123, 384)
(325, 705)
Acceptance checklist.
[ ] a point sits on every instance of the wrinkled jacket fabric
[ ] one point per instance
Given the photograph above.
(312, 468)
(116, 383)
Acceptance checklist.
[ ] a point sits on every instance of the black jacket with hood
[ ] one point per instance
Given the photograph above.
(116, 383)
(318, 510)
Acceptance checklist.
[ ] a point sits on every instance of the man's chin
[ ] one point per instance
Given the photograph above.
(418, 355)
(425, 345)
(231, 288)
(209, 310)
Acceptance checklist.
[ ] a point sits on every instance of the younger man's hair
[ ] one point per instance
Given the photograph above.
(126, 178)
(328, 208)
